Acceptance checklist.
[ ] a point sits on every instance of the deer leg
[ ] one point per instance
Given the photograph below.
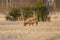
(36, 22)
(25, 24)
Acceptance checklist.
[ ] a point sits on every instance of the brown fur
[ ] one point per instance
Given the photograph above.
(30, 22)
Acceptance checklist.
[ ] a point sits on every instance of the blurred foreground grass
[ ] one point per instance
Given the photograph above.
(44, 31)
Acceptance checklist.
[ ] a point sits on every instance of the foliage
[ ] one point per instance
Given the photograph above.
(7, 17)
(41, 11)
(44, 13)
(28, 11)
(15, 13)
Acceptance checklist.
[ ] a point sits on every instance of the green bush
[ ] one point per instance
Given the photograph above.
(15, 13)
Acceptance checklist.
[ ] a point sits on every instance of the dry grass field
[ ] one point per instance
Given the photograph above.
(16, 31)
